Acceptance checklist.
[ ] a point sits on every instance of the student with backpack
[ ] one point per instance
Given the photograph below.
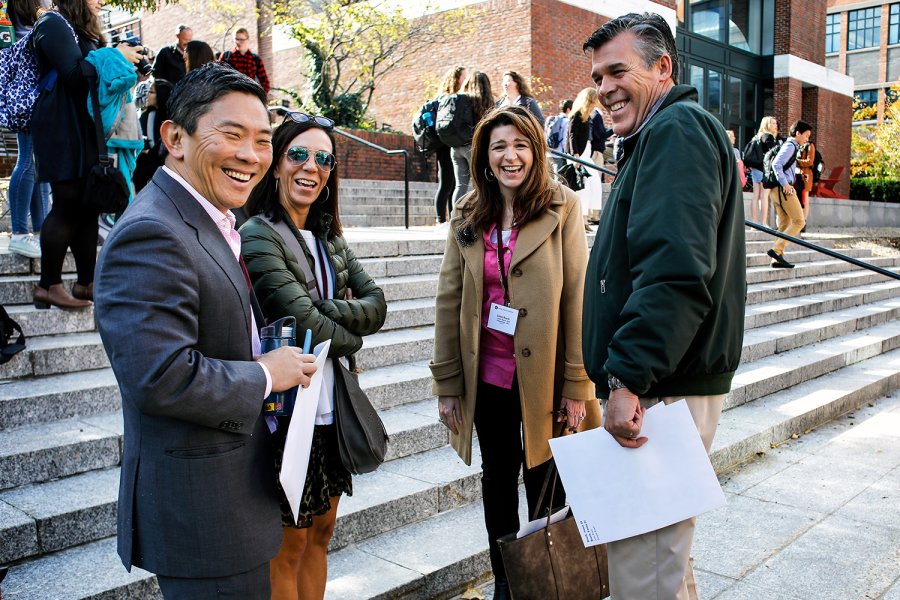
(786, 201)
(65, 145)
(556, 130)
(806, 161)
(457, 116)
(450, 84)
(754, 151)
(26, 193)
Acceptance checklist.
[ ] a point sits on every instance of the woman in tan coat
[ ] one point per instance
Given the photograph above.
(507, 355)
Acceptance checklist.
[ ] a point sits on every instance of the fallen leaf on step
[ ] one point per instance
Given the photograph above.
(472, 594)
(794, 436)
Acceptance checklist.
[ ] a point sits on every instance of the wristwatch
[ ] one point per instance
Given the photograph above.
(615, 383)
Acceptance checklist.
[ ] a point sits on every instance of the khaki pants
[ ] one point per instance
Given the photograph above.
(657, 565)
(789, 214)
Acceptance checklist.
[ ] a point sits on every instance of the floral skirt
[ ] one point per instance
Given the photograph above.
(326, 476)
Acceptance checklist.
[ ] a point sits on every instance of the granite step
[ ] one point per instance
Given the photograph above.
(396, 347)
(761, 259)
(762, 245)
(813, 269)
(777, 371)
(423, 264)
(385, 220)
(83, 393)
(36, 322)
(787, 309)
(372, 209)
(16, 264)
(794, 288)
(392, 242)
(409, 313)
(17, 289)
(56, 354)
(409, 287)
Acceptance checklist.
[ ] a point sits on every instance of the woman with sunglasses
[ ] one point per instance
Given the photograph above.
(508, 319)
(301, 190)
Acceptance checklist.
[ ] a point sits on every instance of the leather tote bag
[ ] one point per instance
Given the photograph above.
(106, 190)
(553, 563)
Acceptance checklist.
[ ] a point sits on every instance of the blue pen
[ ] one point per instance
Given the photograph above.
(307, 341)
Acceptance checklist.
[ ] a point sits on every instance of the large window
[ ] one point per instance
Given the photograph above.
(863, 99)
(833, 32)
(864, 28)
(894, 25)
(737, 23)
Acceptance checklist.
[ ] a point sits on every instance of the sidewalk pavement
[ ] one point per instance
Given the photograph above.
(817, 518)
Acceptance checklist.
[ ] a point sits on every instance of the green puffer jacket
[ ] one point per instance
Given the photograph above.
(280, 287)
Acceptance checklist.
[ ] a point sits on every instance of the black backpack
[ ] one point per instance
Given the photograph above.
(455, 123)
(424, 133)
(770, 179)
(8, 328)
(554, 125)
(818, 166)
(753, 154)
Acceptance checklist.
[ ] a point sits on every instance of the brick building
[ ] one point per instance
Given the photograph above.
(747, 58)
(862, 39)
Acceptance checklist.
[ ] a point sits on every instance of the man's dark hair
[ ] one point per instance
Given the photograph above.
(799, 127)
(565, 105)
(242, 30)
(195, 92)
(653, 34)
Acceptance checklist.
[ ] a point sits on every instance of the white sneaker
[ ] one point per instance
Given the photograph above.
(26, 245)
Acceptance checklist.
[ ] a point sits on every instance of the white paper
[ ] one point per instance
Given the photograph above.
(617, 492)
(298, 443)
(538, 524)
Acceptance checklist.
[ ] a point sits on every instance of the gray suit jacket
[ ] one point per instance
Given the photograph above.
(197, 496)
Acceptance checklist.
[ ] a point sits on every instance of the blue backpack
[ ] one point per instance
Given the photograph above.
(20, 82)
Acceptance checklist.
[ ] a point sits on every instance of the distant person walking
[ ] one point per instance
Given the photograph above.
(762, 142)
(169, 63)
(787, 196)
(478, 101)
(805, 161)
(450, 84)
(556, 129)
(518, 93)
(26, 193)
(241, 58)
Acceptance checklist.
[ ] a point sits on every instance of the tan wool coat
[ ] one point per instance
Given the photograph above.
(546, 281)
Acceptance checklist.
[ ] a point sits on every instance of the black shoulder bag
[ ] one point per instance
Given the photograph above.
(106, 190)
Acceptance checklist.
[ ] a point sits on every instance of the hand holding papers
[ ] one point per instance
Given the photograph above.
(618, 492)
(298, 444)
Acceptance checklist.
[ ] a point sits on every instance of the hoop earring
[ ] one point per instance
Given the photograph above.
(327, 195)
(489, 175)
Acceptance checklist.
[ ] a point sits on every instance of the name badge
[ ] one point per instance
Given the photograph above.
(503, 318)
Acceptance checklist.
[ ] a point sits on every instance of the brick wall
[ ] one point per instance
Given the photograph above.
(831, 130)
(800, 27)
(361, 162)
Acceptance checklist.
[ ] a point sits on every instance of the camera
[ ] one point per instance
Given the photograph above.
(143, 67)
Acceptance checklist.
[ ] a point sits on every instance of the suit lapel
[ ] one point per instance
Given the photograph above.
(209, 237)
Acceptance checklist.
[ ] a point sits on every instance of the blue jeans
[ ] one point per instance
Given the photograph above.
(25, 192)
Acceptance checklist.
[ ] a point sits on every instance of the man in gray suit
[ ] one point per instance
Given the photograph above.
(197, 497)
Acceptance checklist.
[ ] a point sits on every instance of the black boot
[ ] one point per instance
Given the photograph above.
(501, 589)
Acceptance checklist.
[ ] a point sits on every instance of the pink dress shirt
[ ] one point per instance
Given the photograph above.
(497, 352)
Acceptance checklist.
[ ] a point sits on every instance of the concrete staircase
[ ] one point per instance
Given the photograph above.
(370, 203)
(820, 340)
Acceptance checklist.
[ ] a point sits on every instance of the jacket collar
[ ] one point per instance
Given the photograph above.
(678, 93)
(208, 235)
(530, 238)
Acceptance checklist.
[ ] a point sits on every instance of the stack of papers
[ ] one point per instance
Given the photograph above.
(617, 492)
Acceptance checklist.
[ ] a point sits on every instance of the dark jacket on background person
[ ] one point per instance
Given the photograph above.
(578, 134)
(666, 282)
(65, 144)
(169, 64)
(280, 286)
(529, 103)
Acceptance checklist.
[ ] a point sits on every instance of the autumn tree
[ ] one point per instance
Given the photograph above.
(876, 149)
(351, 45)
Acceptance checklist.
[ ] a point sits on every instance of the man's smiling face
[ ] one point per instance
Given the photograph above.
(627, 87)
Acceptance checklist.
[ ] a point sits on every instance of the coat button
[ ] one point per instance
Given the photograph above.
(526, 352)
(523, 312)
(517, 272)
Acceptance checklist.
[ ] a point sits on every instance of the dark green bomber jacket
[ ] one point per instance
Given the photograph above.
(280, 287)
(666, 282)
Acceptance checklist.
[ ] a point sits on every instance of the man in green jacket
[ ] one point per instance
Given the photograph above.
(666, 282)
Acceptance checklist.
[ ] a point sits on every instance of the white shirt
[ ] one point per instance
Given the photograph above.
(225, 222)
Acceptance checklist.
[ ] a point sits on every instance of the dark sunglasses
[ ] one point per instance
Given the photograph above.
(299, 117)
(300, 154)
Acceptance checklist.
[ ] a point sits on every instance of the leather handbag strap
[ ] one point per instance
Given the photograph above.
(293, 244)
(551, 472)
(91, 73)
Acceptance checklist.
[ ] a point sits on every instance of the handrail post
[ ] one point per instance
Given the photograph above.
(406, 188)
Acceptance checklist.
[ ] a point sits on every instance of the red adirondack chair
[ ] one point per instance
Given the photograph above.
(824, 188)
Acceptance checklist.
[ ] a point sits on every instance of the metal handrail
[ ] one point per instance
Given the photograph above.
(582, 161)
(817, 248)
(402, 151)
(763, 228)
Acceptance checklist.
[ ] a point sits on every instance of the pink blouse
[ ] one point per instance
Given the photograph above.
(497, 353)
